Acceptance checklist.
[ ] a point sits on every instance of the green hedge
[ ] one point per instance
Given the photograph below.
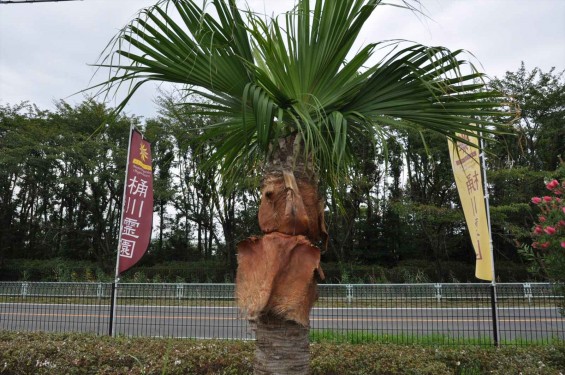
(409, 271)
(55, 269)
(67, 270)
(41, 353)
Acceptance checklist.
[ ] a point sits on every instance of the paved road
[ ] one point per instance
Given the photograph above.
(224, 322)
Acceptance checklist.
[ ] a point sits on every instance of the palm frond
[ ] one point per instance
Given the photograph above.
(266, 78)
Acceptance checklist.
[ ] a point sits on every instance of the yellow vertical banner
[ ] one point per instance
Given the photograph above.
(466, 166)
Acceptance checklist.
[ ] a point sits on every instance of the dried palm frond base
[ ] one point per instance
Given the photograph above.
(276, 275)
(291, 206)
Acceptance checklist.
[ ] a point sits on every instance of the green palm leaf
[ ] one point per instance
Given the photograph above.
(268, 78)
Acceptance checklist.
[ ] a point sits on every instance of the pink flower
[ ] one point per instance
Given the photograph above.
(563, 244)
(557, 192)
(561, 223)
(547, 199)
(544, 245)
(542, 219)
(535, 245)
(536, 200)
(538, 230)
(552, 185)
(549, 230)
(563, 208)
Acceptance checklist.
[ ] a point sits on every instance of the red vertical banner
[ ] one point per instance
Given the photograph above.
(137, 208)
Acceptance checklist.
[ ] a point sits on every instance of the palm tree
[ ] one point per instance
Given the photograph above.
(292, 100)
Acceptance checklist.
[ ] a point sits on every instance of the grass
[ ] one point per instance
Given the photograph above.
(42, 353)
(359, 337)
(329, 336)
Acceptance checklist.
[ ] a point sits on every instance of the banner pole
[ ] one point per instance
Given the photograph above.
(112, 308)
(493, 295)
(114, 301)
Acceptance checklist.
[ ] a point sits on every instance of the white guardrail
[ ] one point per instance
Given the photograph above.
(345, 292)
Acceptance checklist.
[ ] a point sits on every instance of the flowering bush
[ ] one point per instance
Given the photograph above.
(547, 253)
(549, 232)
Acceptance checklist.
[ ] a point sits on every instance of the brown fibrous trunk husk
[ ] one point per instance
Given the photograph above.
(276, 275)
(291, 206)
(277, 272)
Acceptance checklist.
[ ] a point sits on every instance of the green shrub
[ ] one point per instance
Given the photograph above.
(41, 353)
(407, 271)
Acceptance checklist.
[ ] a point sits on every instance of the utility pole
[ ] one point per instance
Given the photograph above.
(31, 1)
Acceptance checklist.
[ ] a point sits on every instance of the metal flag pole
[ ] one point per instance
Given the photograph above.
(493, 294)
(114, 298)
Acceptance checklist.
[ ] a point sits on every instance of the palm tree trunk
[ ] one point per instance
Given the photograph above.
(282, 347)
(276, 278)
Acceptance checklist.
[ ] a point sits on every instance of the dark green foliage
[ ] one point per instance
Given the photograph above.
(40, 353)
(398, 217)
(61, 179)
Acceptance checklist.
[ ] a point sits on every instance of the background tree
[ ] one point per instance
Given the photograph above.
(541, 134)
(381, 238)
(62, 196)
(519, 161)
(163, 157)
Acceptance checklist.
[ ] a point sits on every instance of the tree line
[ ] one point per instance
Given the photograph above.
(61, 177)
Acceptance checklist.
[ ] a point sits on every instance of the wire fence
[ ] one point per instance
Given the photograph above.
(442, 314)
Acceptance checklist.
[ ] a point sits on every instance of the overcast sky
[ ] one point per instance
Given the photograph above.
(45, 48)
